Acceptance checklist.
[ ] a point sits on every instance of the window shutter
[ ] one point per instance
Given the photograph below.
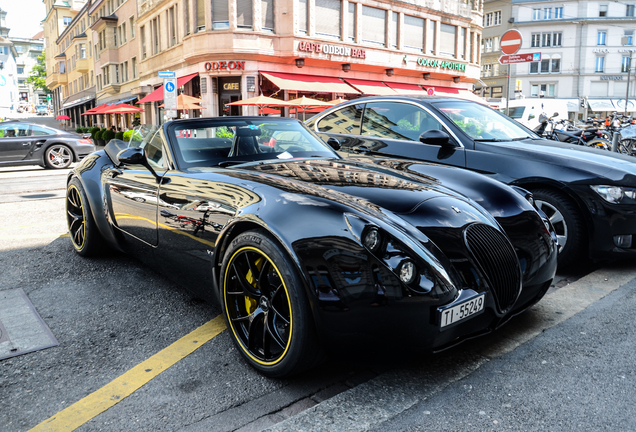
(373, 25)
(351, 17)
(447, 39)
(413, 32)
(244, 13)
(267, 14)
(200, 15)
(302, 16)
(328, 17)
(220, 11)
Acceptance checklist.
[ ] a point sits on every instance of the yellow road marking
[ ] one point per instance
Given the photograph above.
(96, 403)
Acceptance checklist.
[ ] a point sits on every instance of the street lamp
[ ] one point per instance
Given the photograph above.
(625, 41)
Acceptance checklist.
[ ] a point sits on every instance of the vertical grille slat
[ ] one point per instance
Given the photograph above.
(498, 261)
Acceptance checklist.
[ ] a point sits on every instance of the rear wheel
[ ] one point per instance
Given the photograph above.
(81, 226)
(599, 143)
(58, 156)
(266, 308)
(568, 224)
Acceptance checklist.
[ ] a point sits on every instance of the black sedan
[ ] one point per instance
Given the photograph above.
(588, 194)
(24, 143)
(306, 251)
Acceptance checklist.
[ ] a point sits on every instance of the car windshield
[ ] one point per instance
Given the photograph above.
(482, 123)
(230, 141)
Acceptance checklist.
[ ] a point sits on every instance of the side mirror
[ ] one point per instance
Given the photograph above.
(531, 116)
(334, 144)
(436, 137)
(132, 156)
(556, 114)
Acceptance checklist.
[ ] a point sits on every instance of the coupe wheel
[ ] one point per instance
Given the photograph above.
(81, 227)
(266, 308)
(58, 156)
(568, 224)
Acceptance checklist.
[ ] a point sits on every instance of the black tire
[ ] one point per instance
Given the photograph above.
(287, 344)
(82, 229)
(58, 156)
(568, 224)
(600, 144)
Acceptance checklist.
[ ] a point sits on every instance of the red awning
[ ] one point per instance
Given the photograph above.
(406, 89)
(157, 95)
(457, 93)
(308, 83)
(371, 87)
(441, 90)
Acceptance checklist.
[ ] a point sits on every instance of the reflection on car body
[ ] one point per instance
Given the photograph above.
(306, 251)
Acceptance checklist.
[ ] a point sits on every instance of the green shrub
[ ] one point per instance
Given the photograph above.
(79, 129)
(98, 134)
(108, 135)
(119, 136)
(127, 135)
(93, 131)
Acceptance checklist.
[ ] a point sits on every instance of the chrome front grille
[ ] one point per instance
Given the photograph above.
(498, 262)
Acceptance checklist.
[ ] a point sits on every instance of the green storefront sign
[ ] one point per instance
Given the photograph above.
(441, 64)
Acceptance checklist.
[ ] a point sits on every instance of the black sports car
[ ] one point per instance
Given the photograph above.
(24, 143)
(588, 194)
(305, 250)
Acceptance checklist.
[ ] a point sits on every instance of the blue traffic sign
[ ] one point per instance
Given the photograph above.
(170, 87)
(166, 74)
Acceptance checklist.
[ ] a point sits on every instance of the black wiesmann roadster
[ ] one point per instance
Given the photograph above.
(308, 252)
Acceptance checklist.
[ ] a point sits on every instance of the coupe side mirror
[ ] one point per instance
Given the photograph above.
(436, 137)
(334, 144)
(132, 156)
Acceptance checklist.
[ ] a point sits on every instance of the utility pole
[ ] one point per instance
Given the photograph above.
(625, 41)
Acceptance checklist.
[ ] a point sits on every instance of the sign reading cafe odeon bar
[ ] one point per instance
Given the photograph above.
(444, 64)
(332, 49)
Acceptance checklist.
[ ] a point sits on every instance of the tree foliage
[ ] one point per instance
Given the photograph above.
(38, 75)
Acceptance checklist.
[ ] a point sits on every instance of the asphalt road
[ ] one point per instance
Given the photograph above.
(137, 352)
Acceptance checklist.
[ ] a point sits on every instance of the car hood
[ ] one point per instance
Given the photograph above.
(382, 187)
(600, 162)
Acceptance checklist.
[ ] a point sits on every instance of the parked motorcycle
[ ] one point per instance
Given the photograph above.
(548, 128)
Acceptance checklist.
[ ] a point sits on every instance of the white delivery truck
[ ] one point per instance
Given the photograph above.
(527, 111)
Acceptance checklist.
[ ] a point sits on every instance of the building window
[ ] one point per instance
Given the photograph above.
(20, 70)
(547, 13)
(600, 39)
(220, 15)
(393, 29)
(267, 15)
(543, 90)
(448, 39)
(67, 21)
(133, 64)
(546, 39)
(115, 35)
(200, 15)
(555, 65)
(413, 33)
(143, 42)
(431, 37)
(536, 14)
(462, 42)
(545, 66)
(629, 34)
(600, 64)
(558, 13)
(535, 40)
(629, 12)
(117, 81)
(172, 26)
(625, 64)
(155, 35)
(534, 67)
(557, 38)
(373, 24)
(486, 70)
(492, 19)
(244, 18)
(131, 26)
(602, 10)
(328, 20)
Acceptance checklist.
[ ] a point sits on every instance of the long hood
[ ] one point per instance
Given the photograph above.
(385, 188)
(600, 162)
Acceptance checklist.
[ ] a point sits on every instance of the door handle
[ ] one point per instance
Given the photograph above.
(115, 172)
(26, 144)
(362, 149)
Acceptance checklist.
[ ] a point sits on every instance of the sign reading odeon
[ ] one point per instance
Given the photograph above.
(332, 49)
(224, 65)
(441, 64)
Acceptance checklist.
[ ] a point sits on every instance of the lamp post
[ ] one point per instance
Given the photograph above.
(625, 41)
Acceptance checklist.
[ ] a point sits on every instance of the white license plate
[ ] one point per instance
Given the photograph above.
(462, 311)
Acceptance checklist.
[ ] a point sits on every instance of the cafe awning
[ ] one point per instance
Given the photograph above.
(157, 95)
(308, 83)
(599, 105)
(406, 89)
(371, 87)
(619, 105)
(456, 93)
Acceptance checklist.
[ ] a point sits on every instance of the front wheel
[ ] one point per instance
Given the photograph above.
(58, 156)
(81, 226)
(266, 308)
(568, 224)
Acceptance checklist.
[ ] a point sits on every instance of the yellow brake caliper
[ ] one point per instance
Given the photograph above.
(251, 303)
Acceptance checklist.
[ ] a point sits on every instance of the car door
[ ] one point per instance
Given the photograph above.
(16, 143)
(133, 194)
(390, 129)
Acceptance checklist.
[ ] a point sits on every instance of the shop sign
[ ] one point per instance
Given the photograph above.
(231, 86)
(225, 65)
(332, 49)
(600, 50)
(627, 50)
(611, 78)
(441, 64)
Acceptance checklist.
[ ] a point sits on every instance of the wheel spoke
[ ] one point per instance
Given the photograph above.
(273, 333)
(556, 218)
(561, 240)
(247, 288)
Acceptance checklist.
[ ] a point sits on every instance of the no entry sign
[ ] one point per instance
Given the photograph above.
(510, 42)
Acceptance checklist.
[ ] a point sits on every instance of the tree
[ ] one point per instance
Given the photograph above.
(38, 75)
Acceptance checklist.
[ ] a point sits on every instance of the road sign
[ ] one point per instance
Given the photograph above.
(510, 42)
(520, 58)
(166, 74)
(170, 96)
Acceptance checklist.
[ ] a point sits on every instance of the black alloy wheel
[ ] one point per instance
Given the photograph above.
(265, 307)
(81, 227)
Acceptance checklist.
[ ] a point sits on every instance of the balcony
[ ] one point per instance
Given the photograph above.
(56, 79)
(81, 65)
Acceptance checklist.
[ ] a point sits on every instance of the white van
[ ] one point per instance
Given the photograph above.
(527, 111)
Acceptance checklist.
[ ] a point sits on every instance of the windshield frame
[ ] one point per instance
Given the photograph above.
(170, 128)
(495, 115)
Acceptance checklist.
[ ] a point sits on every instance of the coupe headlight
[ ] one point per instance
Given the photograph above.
(407, 272)
(616, 194)
(372, 239)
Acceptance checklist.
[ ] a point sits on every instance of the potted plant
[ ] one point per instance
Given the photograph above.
(119, 136)
(108, 135)
(93, 132)
(97, 137)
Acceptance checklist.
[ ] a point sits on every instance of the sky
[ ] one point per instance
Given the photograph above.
(23, 16)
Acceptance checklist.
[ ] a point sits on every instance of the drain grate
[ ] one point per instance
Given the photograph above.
(22, 330)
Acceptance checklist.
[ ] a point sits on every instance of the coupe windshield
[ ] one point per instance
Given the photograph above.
(230, 140)
(482, 123)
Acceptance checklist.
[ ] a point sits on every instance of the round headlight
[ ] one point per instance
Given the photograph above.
(407, 272)
(372, 239)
